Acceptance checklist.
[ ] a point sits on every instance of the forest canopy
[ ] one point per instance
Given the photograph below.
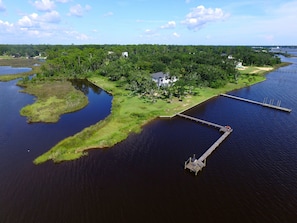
(131, 66)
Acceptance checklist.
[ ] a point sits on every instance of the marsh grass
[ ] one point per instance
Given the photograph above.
(18, 62)
(54, 98)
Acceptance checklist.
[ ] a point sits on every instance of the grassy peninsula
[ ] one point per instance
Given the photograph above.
(130, 113)
(54, 98)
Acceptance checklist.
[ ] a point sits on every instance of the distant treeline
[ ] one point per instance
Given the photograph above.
(23, 50)
(132, 65)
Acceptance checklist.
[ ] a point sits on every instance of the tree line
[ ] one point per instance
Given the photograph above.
(194, 66)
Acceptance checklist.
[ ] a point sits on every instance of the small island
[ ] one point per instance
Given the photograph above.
(199, 73)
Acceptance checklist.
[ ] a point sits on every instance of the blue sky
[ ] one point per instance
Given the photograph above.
(179, 22)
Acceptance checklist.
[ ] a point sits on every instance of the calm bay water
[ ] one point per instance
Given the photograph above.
(13, 70)
(251, 177)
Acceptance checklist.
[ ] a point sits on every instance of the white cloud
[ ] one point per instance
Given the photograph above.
(6, 27)
(34, 20)
(51, 17)
(31, 32)
(149, 32)
(88, 7)
(63, 1)
(40, 28)
(169, 25)
(81, 36)
(28, 21)
(78, 10)
(176, 35)
(2, 6)
(44, 5)
(108, 14)
(200, 16)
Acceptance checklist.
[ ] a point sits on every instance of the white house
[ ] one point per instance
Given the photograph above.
(162, 79)
(238, 65)
(125, 54)
(230, 57)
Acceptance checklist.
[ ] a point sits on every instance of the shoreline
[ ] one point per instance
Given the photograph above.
(113, 129)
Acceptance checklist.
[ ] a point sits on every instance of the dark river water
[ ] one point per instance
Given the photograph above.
(251, 177)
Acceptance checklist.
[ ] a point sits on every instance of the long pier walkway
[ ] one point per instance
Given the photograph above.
(196, 165)
(265, 104)
(220, 127)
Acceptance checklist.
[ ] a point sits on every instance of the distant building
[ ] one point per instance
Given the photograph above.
(239, 65)
(125, 54)
(162, 79)
(230, 57)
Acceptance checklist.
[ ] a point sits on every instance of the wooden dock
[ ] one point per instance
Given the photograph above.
(220, 127)
(196, 165)
(264, 104)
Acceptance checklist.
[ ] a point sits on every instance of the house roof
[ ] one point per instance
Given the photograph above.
(159, 75)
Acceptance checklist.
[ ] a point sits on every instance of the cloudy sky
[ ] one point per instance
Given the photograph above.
(186, 22)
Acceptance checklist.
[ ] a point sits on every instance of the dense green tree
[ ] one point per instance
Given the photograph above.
(194, 66)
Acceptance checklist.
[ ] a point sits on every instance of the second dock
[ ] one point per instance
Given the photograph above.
(265, 104)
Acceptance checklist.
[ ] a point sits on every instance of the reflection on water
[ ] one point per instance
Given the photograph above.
(251, 177)
(85, 86)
